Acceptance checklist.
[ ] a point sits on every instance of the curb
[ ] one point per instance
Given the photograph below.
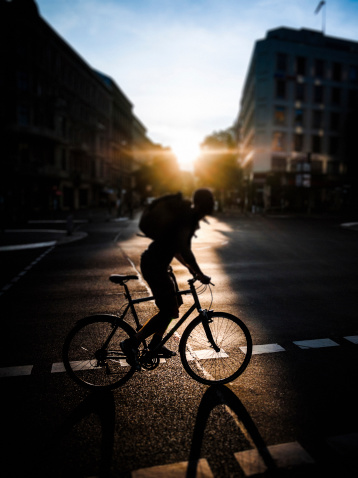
(64, 238)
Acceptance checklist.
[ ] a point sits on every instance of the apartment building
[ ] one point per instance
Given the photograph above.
(67, 131)
(297, 121)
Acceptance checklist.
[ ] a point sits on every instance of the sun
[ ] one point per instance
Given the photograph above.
(186, 153)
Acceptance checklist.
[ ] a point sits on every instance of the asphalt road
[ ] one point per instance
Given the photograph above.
(292, 280)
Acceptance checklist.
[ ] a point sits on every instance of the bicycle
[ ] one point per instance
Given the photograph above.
(215, 347)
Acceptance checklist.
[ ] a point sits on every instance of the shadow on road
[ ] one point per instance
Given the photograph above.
(102, 405)
(221, 395)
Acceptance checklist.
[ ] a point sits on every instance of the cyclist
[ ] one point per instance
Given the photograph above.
(155, 266)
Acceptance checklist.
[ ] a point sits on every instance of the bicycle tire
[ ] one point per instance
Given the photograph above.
(85, 340)
(199, 358)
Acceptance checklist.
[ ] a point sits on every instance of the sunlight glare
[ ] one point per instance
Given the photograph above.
(186, 152)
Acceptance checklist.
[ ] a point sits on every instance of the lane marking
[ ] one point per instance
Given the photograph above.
(264, 349)
(199, 354)
(205, 354)
(201, 469)
(16, 371)
(352, 338)
(59, 367)
(20, 247)
(13, 281)
(316, 343)
(284, 455)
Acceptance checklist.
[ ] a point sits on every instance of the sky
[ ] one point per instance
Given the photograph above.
(183, 63)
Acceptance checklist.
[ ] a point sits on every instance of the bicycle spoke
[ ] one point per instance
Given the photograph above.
(86, 360)
(199, 357)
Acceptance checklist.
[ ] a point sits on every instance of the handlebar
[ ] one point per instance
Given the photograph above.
(194, 279)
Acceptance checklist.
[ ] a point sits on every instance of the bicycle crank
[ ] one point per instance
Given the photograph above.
(148, 361)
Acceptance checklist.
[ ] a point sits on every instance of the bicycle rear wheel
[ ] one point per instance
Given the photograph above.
(91, 364)
(199, 358)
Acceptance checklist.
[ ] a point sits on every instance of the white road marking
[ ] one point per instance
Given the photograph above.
(264, 349)
(16, 371)
(199, 354)
(175, 470)
(35, 245)
(352, 338)
(316, 343)
(284, 455)
(205, 354)
(25, 270)
(59, 367)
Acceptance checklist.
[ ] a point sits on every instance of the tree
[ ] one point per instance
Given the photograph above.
(218, 168)
(159, 175)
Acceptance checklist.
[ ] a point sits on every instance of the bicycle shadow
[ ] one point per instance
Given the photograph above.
(102, 405)
(221, 395)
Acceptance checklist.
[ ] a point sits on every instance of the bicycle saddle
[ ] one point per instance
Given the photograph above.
(121, 279)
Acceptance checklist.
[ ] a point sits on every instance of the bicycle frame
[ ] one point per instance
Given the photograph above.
(196, 305)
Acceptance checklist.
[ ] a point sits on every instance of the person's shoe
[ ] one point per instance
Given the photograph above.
(131, 354)
(163, 351)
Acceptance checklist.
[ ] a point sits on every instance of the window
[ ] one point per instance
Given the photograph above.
(337, 72)
(83, 197)
(333, 145)
(318, 94)
(22, 81)
(300, 91)
(316, 144)
(333, 167)
(298, 142)
(319, 68)
(317, 119)
(281, 62)
(334, 123)
(23, 116)
(280, 89)
(279, 115)
(352, 98)
(298, 118)
(300, 65)
(278, 141)
(353, 74)
(63, 159)
(336, 96)
(278, 163)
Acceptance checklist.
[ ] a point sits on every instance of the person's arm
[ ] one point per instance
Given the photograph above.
(186, 257)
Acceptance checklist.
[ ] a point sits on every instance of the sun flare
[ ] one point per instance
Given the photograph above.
(186, 153)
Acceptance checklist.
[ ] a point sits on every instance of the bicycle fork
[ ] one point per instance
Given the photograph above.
(206, 320)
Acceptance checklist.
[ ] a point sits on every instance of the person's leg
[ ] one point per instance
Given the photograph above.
(165, 298)
(156, 325)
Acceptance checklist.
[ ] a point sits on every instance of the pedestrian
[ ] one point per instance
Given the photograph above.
(155, 266)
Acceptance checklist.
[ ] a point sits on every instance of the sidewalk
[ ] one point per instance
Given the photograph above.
(18, 239)
(53, 231)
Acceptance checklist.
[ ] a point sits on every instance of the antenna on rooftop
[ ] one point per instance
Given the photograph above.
(318, 8)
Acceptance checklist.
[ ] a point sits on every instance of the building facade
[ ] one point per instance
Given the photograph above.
(67, 131)
(298, 119)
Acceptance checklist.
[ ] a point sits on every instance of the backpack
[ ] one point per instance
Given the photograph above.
(161, 217)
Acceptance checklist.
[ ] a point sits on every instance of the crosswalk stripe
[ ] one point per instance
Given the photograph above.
(352, 338)
(16, 371)
(264, 349)
(283, 456)
(86, 365)
(201, 469)
(202, 354)
(205, 354)
(316, 343)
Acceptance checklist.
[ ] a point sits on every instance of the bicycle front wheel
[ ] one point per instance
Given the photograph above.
(92, 355)
(202, 362)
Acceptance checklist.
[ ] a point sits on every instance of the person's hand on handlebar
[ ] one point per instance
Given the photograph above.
(203, 278)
